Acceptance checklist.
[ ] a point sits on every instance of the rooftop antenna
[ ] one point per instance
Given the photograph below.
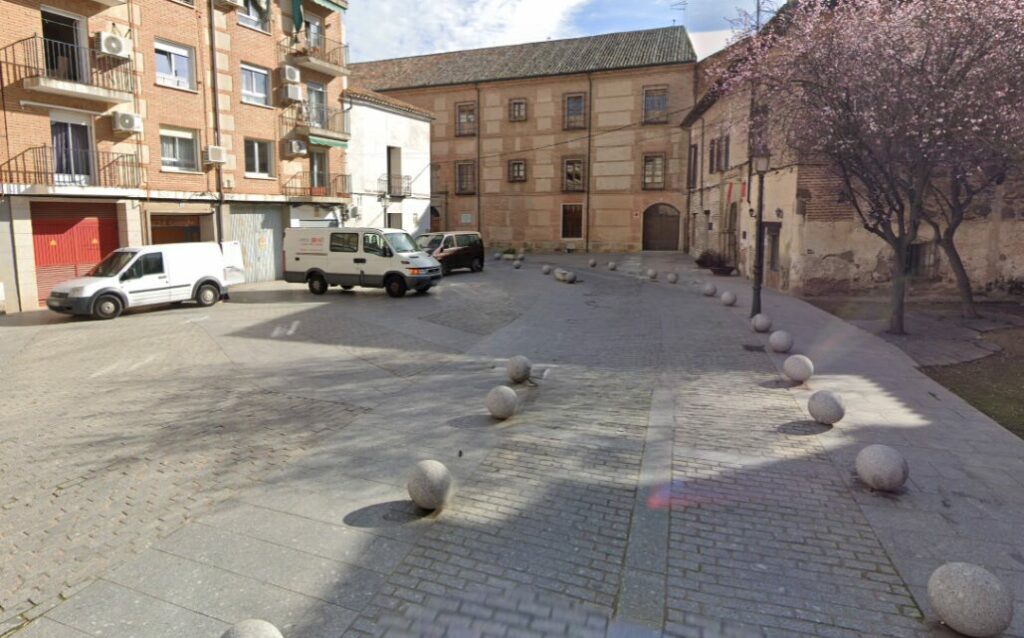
(679, 5)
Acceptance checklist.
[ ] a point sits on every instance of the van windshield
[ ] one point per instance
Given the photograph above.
(112, 265)
(429, 242)
(401, 242)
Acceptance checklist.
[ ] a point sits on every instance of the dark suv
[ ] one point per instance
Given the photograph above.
(454, 250)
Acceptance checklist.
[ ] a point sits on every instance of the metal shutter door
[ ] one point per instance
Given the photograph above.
(259, 230)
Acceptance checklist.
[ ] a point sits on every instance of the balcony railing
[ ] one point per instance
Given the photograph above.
(395, 185)
(57, 60)
(306, 184)
(316, 51)
(318, 120)
(46, 166)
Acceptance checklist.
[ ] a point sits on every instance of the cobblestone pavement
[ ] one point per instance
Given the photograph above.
(174, 472)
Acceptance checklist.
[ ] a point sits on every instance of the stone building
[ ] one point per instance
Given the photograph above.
(157, 121)
(560, 144)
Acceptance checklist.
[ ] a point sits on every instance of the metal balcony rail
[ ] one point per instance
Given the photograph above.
(316, 46)
(395, 185)
(317, 117)
(62, 61)
(47, 166)
(306, 184)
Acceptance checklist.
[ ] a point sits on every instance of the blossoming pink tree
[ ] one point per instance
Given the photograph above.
(916, 105)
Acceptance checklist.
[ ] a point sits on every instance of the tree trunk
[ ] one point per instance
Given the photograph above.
(963, 282)
(898, 306)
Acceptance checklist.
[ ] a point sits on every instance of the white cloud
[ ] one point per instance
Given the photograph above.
(709, 42)
(379, 29)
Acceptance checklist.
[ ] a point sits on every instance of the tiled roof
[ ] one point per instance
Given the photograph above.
(360, 94)
(670, 45)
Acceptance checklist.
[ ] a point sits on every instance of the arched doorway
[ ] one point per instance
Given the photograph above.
(661, 227)
(435, 220)
(730, 241)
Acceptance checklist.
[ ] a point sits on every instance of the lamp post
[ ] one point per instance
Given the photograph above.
(762, 162)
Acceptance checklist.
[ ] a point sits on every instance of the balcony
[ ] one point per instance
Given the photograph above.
(46, 166)
(306, 185)
(317, 122)
(59, 68)
(395, 186)
(315, 52)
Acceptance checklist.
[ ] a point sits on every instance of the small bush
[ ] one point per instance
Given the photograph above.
(712, 259)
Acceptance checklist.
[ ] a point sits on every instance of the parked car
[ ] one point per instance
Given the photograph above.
(348, 257)
(147, 275)
(461, 249)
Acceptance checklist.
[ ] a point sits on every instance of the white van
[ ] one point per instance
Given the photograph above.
(370, 257)
(142, 276)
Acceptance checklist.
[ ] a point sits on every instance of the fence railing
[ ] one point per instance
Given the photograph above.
(317, 117)
(62, 61)
(306, 184)
(47, 166)
(316, 46)
(395, 185)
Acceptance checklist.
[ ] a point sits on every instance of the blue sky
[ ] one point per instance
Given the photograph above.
(380, 29)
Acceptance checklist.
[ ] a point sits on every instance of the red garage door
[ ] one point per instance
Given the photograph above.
(69, 239)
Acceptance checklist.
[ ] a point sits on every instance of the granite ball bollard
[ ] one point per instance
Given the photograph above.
(252, 629)
(826, 407)
(672, 278)
(710, 290)
(517, 264)
(882, 468)
(546, 269)
(652, 274)
(430, 485)
(612, 265)
(502, 402)
(798, 368)
(521, 257)
(780, 341)
(592, 263)
(761, 323)
(497, 255)
(570, 278)
(970, 600)
(728, 298)
(519, 369)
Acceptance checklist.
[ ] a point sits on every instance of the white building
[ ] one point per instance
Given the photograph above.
(389, 159)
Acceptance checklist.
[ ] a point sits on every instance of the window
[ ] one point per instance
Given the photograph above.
(174, 65)
(251, 16)
(465, 119)
(774, 230)
(255, 85)
(316, 104)
(693, 166)
(465, 178)
(656, 105)
(572, 175)
(259, 158)
(178, 150)
(152, 264)
(468, 241)
(517, 170)
(394, 220)
(723, 153)
(344, 242)
(318, 172)
(449, 243)
(654, 172)
(575, 111)
(517, 110)
(713, 156)
(921, 262)
(373, 244)
(572, 221)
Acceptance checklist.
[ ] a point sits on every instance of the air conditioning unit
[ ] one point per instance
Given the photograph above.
(113, 45)
(216, 155)
(292, 93)
(125, 122)
(296, 147)
(291, 74)
(231, 4)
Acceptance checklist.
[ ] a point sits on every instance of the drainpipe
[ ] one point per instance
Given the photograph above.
(10, 208)
(479, 167)
(590, 142)
(218, 218)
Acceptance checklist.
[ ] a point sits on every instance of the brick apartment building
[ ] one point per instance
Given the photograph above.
(569, 143)
(156, 121)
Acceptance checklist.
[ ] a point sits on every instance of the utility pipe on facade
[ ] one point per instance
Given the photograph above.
(214, 85)
(590, 143)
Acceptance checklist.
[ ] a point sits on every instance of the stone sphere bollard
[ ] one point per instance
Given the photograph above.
(728, 298)
(612, 265)
(882, 468)
(570, 277)
(761, 323)
(798, 368)
(252, 629)
(710, 290)
(430, 485)
(502, 402)
(970, 599)
(826, 407)
(672, 278)
(592, 263)
(546, 269)
(652, 274)
(517, 264)
(780, 341)
(497, 255)
(521, 257)
(519, 369)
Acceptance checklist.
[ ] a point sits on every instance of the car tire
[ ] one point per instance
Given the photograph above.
(347, 287)
(477, 265)
(396, 287)
(107, 307)
(207, 295)
(317, 284)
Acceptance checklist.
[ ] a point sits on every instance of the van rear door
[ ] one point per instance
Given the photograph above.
(234, 267)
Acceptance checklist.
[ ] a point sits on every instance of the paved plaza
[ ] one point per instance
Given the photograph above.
(173, 472)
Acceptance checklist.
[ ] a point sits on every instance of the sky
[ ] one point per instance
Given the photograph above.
(380, 29)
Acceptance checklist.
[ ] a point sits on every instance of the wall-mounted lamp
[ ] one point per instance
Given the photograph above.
(752, 213)
(779, 213)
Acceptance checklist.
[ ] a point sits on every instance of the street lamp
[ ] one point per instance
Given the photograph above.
(762, 162)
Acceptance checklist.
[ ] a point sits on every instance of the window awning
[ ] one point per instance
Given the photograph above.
(323, 141)
(327, 4)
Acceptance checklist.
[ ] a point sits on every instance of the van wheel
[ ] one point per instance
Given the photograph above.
(396, 287)
(107, 307)
(477, 265)
(317, 284)
(207, 295)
